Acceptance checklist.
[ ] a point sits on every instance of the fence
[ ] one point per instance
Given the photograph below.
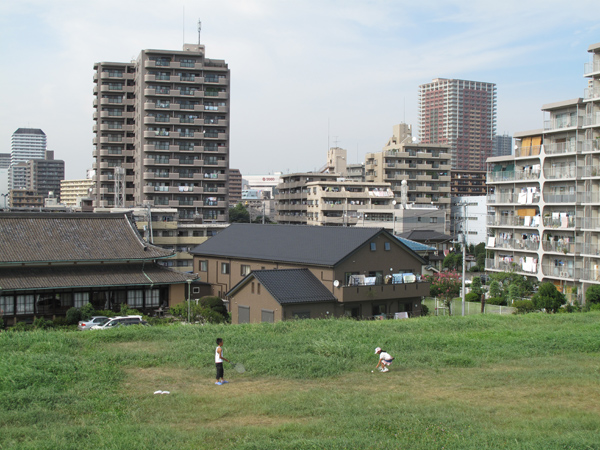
(438, 308)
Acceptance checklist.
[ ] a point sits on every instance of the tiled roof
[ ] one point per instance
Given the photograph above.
(290, 286)
(287, 243)
(425, 235)
(94, 275)
(47, 237)
(415, 246)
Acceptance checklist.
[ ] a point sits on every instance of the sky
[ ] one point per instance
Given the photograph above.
(305, 74)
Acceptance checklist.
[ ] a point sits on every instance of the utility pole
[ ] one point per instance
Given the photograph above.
(464, 252)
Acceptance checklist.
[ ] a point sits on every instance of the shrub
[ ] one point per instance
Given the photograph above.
(60, 322)
(73, 316)
(87, 311)
(568, 308)
(472, 297)
(127, 311)
(39, 323)
(523, 306)
(1, 322)
(496, 301)
(424, 310)
(21, 326)
(592, 295)
(216, 304)
(548, 298)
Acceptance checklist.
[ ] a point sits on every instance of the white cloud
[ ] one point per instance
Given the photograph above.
(296, 66)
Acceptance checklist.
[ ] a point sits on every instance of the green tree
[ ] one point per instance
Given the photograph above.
(476, 286)
(592, 295)
(548, 298)
(445, 285)
(239, 214)
(495, 289)
(216, 304)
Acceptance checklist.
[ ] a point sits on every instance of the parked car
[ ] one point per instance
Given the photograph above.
(94, 320)
(120, 321)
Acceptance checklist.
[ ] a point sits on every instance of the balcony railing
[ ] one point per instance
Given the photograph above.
(532, 150)
(591, 67)
(558, 246)
(512, 176)
(517, 244)
(558, 270)
(557, 148)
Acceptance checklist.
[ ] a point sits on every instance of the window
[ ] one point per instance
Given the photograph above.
(244, 270)
(80, 299)
(204, 266)
(135, 298)
(195, 290)
(152, 297)
(7, 305)
(373, 246)
(267, 316)
(224, 268)
(25, 304)
(387, 246)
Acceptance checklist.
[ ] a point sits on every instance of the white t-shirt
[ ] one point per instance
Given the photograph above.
(385, 356)
(218, 358)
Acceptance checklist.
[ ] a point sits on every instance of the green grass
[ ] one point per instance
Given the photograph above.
(476, 382)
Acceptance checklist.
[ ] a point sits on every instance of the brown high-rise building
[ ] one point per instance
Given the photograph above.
(460, 114)
(161, 127)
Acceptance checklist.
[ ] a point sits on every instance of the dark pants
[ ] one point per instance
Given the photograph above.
(219, 370)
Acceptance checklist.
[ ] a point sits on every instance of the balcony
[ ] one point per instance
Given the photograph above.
(532, 150)
(559, 247)
(511, 176)
(558, 270)
(517, 244)
(563, 147)
(509, 266)
(384, 291)
(591, 68)
(591, 93)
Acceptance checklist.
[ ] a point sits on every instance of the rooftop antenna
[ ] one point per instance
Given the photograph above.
(199, 29)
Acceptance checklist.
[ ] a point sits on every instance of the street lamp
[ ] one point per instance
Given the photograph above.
(189, 282)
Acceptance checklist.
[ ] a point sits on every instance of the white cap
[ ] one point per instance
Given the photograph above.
(378, 349)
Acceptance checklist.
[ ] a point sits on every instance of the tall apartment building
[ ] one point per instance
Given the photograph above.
(46, 175)
(425, 167)
(545, 199)
(460, 114)
(234, 186)
(161, 133)
(503, 145)
(26, 144)
(4, 160)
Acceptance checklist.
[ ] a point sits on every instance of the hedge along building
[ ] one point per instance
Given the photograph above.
(50, 262)
(362, 268)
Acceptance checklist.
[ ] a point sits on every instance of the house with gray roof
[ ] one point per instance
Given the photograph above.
(367, 270)
(50, 262)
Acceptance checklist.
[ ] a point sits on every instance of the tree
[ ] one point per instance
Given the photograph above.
(445, 285)
(592, 295)
(239, 214)
(476, 286)
(548, 298)
(495, 289)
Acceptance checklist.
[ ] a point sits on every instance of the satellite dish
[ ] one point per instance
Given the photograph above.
(336, 283)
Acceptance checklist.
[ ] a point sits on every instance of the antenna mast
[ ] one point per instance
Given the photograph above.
(199, 29)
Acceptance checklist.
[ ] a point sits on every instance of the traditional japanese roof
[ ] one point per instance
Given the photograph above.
(289, 286)
(72, 237)
(83, 275)
(303, 244)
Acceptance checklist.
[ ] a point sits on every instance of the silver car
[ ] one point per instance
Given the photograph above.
(120, 321)
(94, 320)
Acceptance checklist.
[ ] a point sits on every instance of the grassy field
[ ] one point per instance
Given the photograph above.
(475, 382)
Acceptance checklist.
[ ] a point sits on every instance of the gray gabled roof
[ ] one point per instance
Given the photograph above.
(287, 243)
(72, 237)
(289, 286)
(425, 236)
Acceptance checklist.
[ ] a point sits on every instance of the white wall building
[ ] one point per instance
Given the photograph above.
(469, 214)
